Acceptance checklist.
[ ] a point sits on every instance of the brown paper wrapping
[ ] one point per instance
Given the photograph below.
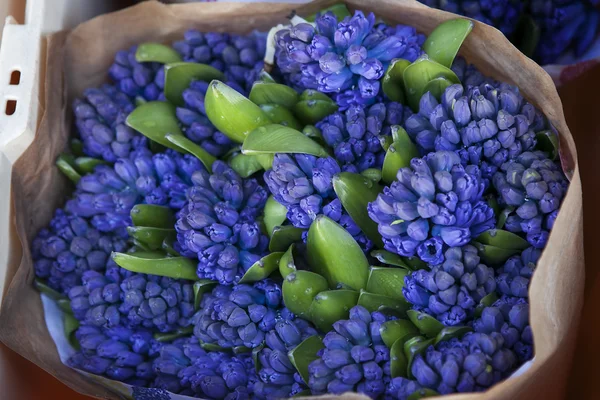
(81, 59)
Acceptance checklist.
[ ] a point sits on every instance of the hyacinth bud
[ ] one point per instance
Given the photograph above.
(238, 316)
(346, 58)
(136, 79)
(510, 317)
(535, 186)
(353, 358)
(238, 56)
(514, 277)
(435, 204)
(355, 134)
(450, 292)
(218, 223)
(473, 363)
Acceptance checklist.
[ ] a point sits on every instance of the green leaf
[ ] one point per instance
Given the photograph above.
(283, 236)
(179, 75)
(156, 52)
(266, 160)
(372, 174)
(273, 93)
(305, 353)
(151, 215)
(312, 94)
(262, 268)
(388, 258)
(392, 83)
(278, 114)
(76, 146)
(300, 288)
(314, 133)
(487, 301)
(451, 332)
(437, 86)
(398, 155)
(231, 113)
(214, 347)
(415, 263)
(151, 237)
(274, 214)
(200, 287)
(42, 287)
(387, 281)
(426, 324)
(313, 111)
(245, 165)
(443, 43)
(355, 193)
(492, 255)
(330, 306)
(398, 360)
(286, 263)
(527, 35)
(172, 267)
(415, 346)
(339, 10)
(86, 165)
(65, 305)
(502, 239)
(264, 76)
(169, 337)
(376, 302)
(503, 216)
(418, 74)
(71, 324)
(66, 165)
(140, 246)
(333, 253)
(197, 151)
(280, 139)
(167, 245)
(155, 119)
(255, 358)
(398, 329)
(547, 141)
(422, 393)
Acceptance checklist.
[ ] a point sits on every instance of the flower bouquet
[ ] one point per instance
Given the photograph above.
(339, 201)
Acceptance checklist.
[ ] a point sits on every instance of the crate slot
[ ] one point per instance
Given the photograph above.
(15, 77)
(11, 107)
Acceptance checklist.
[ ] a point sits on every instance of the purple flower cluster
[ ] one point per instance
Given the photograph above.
(304, 185)
(514, 277)
(100, 121)
(240, 57)
(435, 203)
(145, 80)
(150, 301)
(451, 291)
(240, 315)
(487, 124)
(69, 248)
(471, 364)
(218, 223)
(345, 57)
(277, 377)
(535, 186)
(355, 135)
(108, 194)
(354, 358)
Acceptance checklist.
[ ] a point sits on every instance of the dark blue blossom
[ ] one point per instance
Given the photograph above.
(434, 204)
(534, 185)
(277, 377)
(304, 185)
(400, 388)
(354, 358)
(469, 75)
(354, 135)
(118, 353)
(108, 194)
(514, 277)
(451, 291)
(502, 14)
(141, 393)
(240, 57)
(487, 124)
(70, 246)
(565, 25)
(510, 317)
(348, 56)
(471, 364)
(150, 301)
(218, 224)
(100, 121)
(145, 80)
(240, 315)
(195, 124)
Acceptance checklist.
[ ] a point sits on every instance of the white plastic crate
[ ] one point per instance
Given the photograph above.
(21, 95)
